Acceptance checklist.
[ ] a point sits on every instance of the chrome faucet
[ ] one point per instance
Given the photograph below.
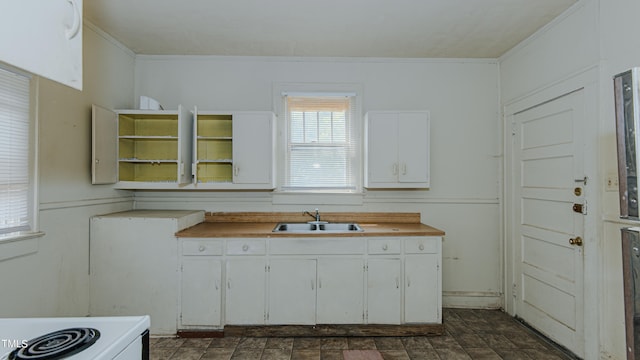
(315, 216)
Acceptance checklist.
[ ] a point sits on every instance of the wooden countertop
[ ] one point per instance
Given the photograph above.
(225, 225)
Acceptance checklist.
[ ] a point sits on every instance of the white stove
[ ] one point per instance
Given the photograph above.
(97, 338)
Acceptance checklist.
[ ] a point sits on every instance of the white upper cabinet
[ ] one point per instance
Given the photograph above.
(397, 149)
(233, 150)
(44, 37)
(141, 149)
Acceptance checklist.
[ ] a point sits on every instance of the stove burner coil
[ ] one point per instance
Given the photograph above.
(56, 345)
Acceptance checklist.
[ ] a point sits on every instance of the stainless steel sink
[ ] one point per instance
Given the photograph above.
(317, 227)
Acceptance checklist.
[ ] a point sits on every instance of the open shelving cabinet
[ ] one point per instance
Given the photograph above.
(150, 149)
(213, 146)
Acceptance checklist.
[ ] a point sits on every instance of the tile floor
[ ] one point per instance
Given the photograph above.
(470, 334)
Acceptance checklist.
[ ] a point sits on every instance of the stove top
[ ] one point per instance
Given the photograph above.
(68, 338)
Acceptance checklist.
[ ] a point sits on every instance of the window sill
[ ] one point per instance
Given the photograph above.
(19, 244)
(317, 198)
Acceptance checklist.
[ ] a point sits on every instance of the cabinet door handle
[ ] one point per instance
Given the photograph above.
(312, 285)
(385, 247)
(397, 283)
(408, 282)
(229, 284)
(236, 170)
(245, 247)
(395, 168)
(72, 31)
(404, 168)
(319, 283)
(217, 284)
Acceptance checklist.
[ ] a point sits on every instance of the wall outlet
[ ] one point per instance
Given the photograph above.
(611, 182)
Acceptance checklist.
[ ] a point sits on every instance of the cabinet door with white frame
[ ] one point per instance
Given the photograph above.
(397, 149)
(384, 289)
(422, 280)
(340, 296)
(253, 150)
(245, 291)
(292, 291)
(200, 297)
(146, 149)
(44, 38)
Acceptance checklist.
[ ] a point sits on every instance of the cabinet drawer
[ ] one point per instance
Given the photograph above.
(201, 247)
(384, 246)
(246, 247)
(422, 245)
(317, 246)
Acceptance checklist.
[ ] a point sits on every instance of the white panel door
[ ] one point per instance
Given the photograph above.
(245, 291)
(253, 148)
(200, 291)
(421, 293)
(292, 291)
(104, 153)
(382, 148)
(548, 179)
(384, 291)
(44, 37)
(340, 291)
(413, 132)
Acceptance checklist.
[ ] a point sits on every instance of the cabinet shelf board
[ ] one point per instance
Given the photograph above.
(215, 161)
(150, 161)
(145, 137)
(215, 138)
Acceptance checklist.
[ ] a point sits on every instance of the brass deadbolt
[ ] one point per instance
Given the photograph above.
(576, 241)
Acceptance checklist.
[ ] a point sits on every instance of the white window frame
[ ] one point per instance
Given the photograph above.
(32, 202)
(280, 91)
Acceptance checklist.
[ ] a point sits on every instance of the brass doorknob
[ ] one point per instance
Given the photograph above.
(576, 241)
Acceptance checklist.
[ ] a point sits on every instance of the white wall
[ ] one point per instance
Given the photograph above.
(54, 280)
(462, 96)
(601, 35)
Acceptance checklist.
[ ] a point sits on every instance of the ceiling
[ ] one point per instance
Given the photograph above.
(324, 28)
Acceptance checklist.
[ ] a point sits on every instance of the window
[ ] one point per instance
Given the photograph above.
(322, 143)
(15, 187)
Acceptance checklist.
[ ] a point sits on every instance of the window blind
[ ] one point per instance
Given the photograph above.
(321, 143)
(14, 152)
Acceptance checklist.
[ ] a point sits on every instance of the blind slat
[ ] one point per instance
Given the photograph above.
(14, 152)
(321, 143)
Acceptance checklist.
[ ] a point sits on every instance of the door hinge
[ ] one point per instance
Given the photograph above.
(514, 291)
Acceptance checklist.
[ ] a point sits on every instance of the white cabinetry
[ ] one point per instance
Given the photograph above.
(397, 150)
(292, 291)
(134, 264)
(302, 281)
(201, 277)
(422, 292)
(150, 149)
(340, 290)
(384, 290)
(245, 281)
(44, 37)
(233, 150)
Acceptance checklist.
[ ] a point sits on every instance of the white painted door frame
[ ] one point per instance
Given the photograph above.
(587, 80)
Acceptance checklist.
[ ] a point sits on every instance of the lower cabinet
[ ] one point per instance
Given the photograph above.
(384, 292)
(340, 298)
(204, 276)
(245, 291)
(239, 282)
(292, 291)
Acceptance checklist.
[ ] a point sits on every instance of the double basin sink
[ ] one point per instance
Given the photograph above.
(317, 227)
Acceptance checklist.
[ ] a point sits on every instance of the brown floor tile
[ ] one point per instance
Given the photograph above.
(306, 343)
(252, 343)
(470, 341)
(218, 354)
(389, 343)
(334, 343)
(361, 343)
(196, 343)
(514, 354)
(279, 343)
(247, 354)
(188, 354)
(276, 354)
(332, 354)
(483, 353)
(415, 354)
(453, 354)
(394, 355)
(157, 353)
(225, 342)
(416, 342)
(305, 354)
